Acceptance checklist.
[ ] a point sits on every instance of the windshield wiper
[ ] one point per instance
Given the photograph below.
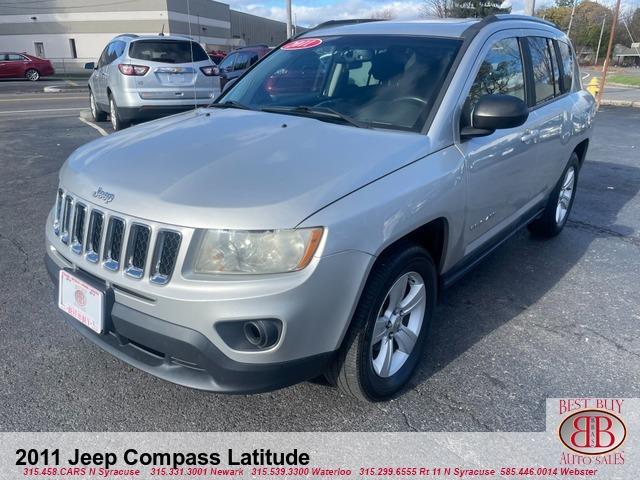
(231, 104)
(319, 113)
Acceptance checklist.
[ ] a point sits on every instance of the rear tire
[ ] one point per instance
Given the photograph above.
(386, 339)
(32, 74)
(116, 120)
(97, 114)
(556, 212)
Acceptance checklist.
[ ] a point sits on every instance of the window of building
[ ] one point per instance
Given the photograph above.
(39, 46)
(542, 69)
(72, 47)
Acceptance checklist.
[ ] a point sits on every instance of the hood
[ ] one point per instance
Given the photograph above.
(229, 168)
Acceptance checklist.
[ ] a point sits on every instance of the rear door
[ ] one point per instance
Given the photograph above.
(550, 117)
(174, 70)
(101, 74)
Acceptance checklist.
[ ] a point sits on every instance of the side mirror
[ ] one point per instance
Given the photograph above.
(229, 84)
(495, 112)
(90, 66)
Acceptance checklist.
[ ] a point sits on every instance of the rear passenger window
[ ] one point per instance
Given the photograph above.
(542, 69)
(501, 72)
(242, 62)
(566, 57)
(555, 67)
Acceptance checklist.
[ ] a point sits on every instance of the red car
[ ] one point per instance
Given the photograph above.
(21, 65)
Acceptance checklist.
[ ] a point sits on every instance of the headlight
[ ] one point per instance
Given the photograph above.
(271, 251)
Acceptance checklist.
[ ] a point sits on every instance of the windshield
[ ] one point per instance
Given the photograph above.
(167, 51)
(379, 81)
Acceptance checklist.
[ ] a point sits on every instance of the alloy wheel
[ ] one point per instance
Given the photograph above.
(566, 193)
(33, 75)
(398, 324)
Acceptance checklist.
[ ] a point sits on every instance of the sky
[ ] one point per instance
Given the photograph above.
(312, 12)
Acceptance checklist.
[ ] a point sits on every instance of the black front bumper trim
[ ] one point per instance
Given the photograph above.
(186, 357)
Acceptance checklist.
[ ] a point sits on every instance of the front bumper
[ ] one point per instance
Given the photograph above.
(178, 331)
(184, 356)
(150, 112)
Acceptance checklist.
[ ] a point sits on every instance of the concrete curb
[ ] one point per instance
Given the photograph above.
(620, 103)
(64, 88)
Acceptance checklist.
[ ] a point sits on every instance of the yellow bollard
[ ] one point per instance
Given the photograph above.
(594, 86)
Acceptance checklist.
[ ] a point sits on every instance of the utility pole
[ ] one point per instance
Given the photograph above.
(600, 39)
(529, 7)
(605, 67)
(573, 12)
(289, 22)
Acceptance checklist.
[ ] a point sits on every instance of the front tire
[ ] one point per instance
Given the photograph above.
(116, 120)
(386, 339)
(556, 212)
(32, 75)
(97, 114)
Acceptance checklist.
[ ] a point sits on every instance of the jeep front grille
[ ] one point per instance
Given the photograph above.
(77, 234)
(164, 256)
(137, 250)
(134, 247)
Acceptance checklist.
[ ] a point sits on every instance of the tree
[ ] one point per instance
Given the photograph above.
(463, 8)
(436, 8)
(477, 8)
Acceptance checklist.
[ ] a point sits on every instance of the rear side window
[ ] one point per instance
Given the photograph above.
(501, 71)
(13, 57)
(228, 61)
(167, 51)
(542, 69)
(114, 50)
(568, 66)
(555, 67)
(243, 61)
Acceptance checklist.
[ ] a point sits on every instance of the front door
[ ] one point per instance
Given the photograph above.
(501, 171)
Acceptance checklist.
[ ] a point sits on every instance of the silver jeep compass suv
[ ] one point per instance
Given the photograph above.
(143, 77)
(360, 168)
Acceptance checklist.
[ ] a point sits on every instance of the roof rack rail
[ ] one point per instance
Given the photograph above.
(338, 23)
(509, 16)
(257, 45)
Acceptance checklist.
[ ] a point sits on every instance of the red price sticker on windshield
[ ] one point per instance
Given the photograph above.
(302, 44)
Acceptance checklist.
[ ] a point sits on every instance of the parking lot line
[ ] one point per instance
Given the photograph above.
(40, 110)
(21, 99)
(102, 131)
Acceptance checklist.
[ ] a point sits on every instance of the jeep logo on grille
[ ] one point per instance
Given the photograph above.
(106, 197)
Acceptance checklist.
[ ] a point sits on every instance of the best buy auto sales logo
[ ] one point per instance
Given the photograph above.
(594, 430)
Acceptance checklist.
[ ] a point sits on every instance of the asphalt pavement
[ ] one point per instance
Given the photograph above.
(537, 319)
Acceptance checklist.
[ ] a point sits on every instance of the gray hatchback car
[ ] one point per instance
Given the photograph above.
(143, 77)
(360, 169)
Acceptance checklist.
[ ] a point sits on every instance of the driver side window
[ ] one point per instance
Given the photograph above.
(501, 71)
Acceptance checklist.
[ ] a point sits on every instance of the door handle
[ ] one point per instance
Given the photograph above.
(529, 136)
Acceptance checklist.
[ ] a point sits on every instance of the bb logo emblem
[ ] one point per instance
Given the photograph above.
(81, 300)
(592, 432)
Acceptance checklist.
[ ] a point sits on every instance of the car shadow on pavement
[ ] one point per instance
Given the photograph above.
(523, 270)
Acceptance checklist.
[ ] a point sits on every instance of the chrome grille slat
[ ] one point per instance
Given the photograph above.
(94, 236)
(66, 219)
(77, 231)
(137, 248)
(113, 244)
(58, 211)
(164, 256)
